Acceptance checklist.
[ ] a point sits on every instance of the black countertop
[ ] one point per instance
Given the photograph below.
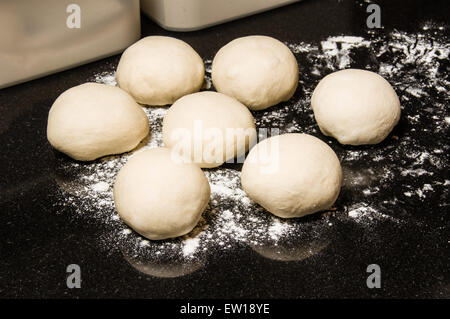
(41, 235)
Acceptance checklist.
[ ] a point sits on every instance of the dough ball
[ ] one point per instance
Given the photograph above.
(160, 197)
(259, 71)
(159, 70)
(208, 128)
(93, 120)
(355, 106)
(292, 175)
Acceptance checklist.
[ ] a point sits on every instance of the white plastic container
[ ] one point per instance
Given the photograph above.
(35, 39)
(189, 15)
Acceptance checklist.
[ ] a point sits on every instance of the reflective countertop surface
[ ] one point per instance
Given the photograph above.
(392, 210)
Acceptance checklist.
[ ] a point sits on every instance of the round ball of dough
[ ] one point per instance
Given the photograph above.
(259, 71)
(93, 120)
(208, 128)
(355, 106)
(159, 70)
(292, 175)
(159, 197)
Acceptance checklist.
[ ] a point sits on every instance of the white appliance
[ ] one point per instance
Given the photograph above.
(189, 15)
(39, 37)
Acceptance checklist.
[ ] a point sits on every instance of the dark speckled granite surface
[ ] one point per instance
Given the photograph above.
(38, 238)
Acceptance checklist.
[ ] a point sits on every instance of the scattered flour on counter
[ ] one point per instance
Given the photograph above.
(108, 78)
(189, 246)
(415, 172)
(363, 213)
(405, 168)
(279, 229)
(338, 49)
(100, 187)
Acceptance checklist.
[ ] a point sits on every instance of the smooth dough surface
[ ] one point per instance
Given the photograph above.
(259, 71)
(93, 120)
(292, 175)
(356, 107)
(210, 128)
(158, 70)
(158, 197)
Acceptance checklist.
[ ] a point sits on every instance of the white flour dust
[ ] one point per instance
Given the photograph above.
(407, 168)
